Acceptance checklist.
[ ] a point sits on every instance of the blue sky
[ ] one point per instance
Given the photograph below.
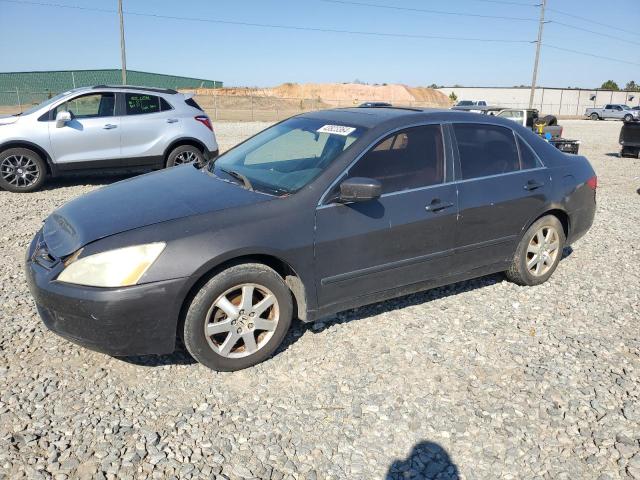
(39, 37)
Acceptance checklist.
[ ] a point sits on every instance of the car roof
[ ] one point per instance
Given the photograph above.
(373, 117)
(166, 91)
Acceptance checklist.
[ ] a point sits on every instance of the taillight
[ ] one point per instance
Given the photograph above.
(203, 119)
(593, 182)
(561, 129)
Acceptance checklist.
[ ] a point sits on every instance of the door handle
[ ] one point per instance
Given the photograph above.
(437, 205)
(110, 126)
(532, 185)
(172, 120)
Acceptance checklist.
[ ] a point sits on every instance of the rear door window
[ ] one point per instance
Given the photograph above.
(486, 150)
(411, 158)
(141, 103)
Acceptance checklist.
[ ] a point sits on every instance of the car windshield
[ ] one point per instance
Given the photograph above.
(465, 103)
(625, 107)
(49, 101)
(286, 157)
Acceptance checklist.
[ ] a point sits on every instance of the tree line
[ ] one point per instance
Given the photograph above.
(631, 86)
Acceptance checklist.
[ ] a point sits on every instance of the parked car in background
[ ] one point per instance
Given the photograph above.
(548, 124)
(103, 128)
(470, 105)
(614, 111)
(374, 104)
(322, 212)
(630, 139)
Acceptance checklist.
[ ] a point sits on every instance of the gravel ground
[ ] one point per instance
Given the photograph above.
(482, 379)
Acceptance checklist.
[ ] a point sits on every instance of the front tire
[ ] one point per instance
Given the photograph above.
(595, 116)
(538, 252)
(628, 118)
(185, 154)
(238, 318)
(21, 170)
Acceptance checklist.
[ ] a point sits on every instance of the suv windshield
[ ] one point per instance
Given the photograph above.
(284, 158)
(45, 103)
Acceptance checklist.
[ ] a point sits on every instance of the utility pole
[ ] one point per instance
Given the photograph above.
(538, 45)
(123, 55)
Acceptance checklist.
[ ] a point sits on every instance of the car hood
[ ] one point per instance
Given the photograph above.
(153, 198)
(8, 119)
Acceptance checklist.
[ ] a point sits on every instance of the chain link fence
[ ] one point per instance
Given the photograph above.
(240, 108)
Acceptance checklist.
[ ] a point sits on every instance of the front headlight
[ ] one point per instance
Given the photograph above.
(122, 267)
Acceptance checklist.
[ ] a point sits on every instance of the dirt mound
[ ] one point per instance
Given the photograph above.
(339, 94)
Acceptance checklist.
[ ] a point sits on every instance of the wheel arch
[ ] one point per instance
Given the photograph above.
(30, 146)
(194, 142)
(280, 266)
(560, 214)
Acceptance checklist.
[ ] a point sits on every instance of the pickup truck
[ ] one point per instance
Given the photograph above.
(613, 110)
(470, 106)
(546, 126)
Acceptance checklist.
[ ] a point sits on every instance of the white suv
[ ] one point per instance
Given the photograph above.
(103, 128)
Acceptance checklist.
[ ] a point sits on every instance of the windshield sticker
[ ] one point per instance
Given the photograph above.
(336, 130)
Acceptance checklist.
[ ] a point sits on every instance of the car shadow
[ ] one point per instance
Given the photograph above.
(90, 179)
(180, 356)
(425, 461)
(617, 155)
(298, 329)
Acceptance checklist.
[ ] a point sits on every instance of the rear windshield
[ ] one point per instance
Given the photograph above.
(286, 157)
(192, 103)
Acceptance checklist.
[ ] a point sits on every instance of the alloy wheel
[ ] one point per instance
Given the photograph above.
(242, 320)
(542, 251)
(19, 170)
(186, 157)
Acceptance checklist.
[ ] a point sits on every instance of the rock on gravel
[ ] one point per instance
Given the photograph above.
(482, 379)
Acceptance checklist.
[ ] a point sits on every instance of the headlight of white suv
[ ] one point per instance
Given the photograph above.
(122, 267)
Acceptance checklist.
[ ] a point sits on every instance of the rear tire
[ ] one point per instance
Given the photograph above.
(21, 170)
(538, 252)
(185, 154)
(228, 327)
(595, 116)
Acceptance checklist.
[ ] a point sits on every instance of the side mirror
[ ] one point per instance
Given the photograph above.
(62, 118)
(359, 189)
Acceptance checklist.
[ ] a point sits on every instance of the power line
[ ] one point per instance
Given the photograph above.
(276, 26)
(584, 19)
(313, 29)
(426, 10)
(593, 32)
(590, 54)
(461, 14)
(506, 2)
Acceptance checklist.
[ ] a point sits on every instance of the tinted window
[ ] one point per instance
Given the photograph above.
(192, 103)
(607, 107)
(139, 103)
(92, 105)
(411, 158)
(164, 105)
(528, 158)
(486, 150)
